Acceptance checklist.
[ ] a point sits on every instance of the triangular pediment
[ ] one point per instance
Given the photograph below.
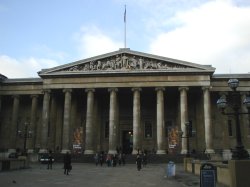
(126, 61)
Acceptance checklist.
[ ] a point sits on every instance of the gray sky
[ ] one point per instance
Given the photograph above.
(43, 34)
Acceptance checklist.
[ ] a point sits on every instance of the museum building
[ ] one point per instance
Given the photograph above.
(125, 100)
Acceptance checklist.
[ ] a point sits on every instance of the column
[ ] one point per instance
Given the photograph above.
(32, 125)
(136, 120)
(113, 138)
(89, 142)
(66, 121)
(244, 121)
(13, 128)
(160, 124)
(207, 120)
(45, 122)
(184, 117)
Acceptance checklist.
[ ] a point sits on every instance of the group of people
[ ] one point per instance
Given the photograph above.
(113, 159)
(110, 159)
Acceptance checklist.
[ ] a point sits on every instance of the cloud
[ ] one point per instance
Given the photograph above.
(93, 41)
(215, 33)
(23, 68)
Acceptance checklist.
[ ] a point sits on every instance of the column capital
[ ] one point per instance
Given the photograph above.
(160, 88)
(16, 96)
(223, 93)
(67, 90)
(89, 90)
(113, 89)
(46, 91)
(244, 93)
(206, 88)
(136, 89)
(34, 96)
(183, 88)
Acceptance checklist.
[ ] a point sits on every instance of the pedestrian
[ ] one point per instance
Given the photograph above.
(108, 160)
(101, 158)
(67, 163)
(114, 160)
(138, 162)
(144, 159)
(50, 160)
(96, 157)
(123, 159)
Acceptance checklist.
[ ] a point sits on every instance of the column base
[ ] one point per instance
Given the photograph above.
(160, 152)
(209, 151)
(11, 150)
(30, 151)
(64, 151)
(227, 154)
(135, 152)
(183, 151)
(43, 151)
(89, 152)
(112, 152)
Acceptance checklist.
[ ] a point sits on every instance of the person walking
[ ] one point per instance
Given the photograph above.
(50, 160)
(67, 163)
(144, 159)
(96, 157)
(138, 162)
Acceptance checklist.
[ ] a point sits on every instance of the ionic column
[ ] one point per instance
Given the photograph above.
(207, 121)
(136, 120)
(89, 142)
(45, 122)
(160, 124)
(113, 136)
(31, 141)
(184, 117)
(66, 121)
(13, 128)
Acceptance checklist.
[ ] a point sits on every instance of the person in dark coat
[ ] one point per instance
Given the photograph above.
(50, 160)
(138, 162)
(67, 163)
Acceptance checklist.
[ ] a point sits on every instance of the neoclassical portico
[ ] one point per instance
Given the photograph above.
(120, 99)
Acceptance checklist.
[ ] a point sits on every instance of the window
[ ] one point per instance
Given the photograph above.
(148, 133)
(230, 130)
(106, 132)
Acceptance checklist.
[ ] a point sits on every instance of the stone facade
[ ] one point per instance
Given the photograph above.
(121, 99)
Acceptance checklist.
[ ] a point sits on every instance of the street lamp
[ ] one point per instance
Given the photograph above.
(25, 135)
(238, 153)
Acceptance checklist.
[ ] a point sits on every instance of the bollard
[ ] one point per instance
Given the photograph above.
(170, 169)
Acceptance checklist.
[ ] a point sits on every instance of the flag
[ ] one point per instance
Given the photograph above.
(125, 14)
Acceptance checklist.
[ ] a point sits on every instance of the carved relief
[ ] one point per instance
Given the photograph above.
(124, 62)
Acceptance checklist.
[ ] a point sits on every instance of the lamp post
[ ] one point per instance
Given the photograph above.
(25, 135)
(239, 152)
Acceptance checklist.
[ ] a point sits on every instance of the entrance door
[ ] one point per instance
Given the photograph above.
(127, 141)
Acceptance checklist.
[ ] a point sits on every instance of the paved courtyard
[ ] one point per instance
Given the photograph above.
(91, 176)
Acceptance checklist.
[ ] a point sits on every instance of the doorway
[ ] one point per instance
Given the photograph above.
(127, 141)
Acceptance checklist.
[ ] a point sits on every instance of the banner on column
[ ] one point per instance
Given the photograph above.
(77, 140)
(173, 139)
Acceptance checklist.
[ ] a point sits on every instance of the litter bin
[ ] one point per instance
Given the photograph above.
(171, 169)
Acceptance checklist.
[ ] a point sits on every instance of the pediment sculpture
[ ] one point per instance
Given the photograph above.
(124, 62)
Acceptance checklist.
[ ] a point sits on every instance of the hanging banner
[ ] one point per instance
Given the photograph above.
(173, 138)
(77, 140)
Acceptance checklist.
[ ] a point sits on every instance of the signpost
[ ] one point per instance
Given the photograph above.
(207, 175)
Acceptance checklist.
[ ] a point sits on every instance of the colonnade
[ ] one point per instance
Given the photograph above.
(113, 120)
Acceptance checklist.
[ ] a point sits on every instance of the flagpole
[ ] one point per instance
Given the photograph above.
(125, 20)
